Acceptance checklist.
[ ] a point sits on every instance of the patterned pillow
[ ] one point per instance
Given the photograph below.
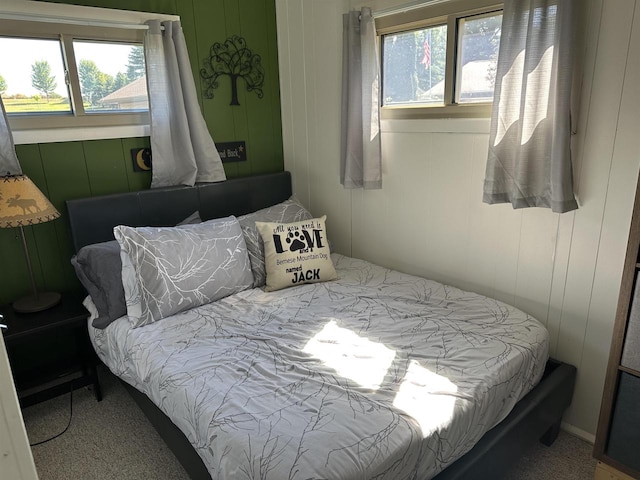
(296, 253)
(99, 269)
(168, 270)
(288, 211)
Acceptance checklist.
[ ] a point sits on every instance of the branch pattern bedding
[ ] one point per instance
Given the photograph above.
(378, 374)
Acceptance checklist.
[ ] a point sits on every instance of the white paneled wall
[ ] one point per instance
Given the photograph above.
(429, 218)
(310, 56)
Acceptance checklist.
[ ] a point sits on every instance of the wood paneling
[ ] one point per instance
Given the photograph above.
(581, 334)
(310, 66)
(76, 169)
(429, 218)
(105, 175)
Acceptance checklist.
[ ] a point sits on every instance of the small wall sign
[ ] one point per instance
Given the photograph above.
(141, 159)
(232, 151)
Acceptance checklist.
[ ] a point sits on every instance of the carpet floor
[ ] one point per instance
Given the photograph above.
(114, 440)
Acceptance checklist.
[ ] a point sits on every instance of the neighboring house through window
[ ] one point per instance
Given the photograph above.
(132, 96)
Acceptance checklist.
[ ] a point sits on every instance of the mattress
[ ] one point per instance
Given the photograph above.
(379, 374)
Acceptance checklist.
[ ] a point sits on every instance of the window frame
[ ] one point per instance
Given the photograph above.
(66, 34)
(83, 23)
(448, 14)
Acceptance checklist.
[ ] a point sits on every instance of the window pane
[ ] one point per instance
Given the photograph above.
(32, 76)
(414, 66)
(112, 76)
(476, 69)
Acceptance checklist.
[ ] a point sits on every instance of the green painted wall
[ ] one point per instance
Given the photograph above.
(69, 170)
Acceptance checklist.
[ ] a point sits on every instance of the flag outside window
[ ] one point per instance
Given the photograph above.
(426, 59)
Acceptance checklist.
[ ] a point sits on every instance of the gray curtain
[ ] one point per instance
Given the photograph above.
(529, 161)
(9, 164)
(361, 161)
(182, 149)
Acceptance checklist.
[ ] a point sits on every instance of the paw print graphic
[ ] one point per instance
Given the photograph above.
(296, 241)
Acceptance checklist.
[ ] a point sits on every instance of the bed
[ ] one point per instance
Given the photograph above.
(377, 374)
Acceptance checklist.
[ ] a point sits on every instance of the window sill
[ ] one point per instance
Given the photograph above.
(469, 110)
(436, 125)
(72, 134)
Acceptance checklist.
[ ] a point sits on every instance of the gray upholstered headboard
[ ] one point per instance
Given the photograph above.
(92, 219)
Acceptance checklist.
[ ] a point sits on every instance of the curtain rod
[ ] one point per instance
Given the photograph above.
(407, 7)
(75, 21)
(71, 21)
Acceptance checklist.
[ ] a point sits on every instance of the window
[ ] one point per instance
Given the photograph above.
(60, 75)
(88, 64)
(33, 78)
(414, 66)
(112, 76)
(439, 60)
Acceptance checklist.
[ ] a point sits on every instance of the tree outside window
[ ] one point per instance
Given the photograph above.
(41, 78)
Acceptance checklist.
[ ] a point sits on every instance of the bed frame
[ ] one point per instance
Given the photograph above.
(536, 417)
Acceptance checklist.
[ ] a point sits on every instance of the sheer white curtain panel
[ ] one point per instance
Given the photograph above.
(361, 159)
(183, 151)
(529, 160)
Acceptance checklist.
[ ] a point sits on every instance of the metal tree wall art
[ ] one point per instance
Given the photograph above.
(234, 59)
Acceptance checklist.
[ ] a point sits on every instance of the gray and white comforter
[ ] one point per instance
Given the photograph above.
(376, 375)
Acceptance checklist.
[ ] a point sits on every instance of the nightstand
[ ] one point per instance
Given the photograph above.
(76, 370)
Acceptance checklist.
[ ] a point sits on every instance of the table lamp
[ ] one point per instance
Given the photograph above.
(23, 204)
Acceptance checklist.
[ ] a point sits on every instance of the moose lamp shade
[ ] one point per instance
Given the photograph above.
(22, 204)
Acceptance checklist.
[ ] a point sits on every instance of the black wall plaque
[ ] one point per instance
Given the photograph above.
(232, 151)
(141, 159)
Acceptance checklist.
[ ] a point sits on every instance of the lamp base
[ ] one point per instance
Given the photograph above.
(36, 303)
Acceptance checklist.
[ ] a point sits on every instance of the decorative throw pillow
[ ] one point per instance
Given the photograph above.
(99, 269)
(286, 212)
(179, 268)
(296, 253)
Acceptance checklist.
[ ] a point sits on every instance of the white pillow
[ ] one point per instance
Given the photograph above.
(166, 270)
(131, 291)
(296, 253)
(91, 308)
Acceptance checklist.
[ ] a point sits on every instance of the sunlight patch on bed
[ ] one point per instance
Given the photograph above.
(427, 397)
(350, 355)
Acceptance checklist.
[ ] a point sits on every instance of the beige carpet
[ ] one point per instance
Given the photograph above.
(113, 440)
(107, 440)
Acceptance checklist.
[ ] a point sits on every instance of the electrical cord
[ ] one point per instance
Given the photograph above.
(65, 428)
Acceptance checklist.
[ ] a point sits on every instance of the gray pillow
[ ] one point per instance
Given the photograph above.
(288, 211)
(191, 219)
(99, 269)
(177, 269)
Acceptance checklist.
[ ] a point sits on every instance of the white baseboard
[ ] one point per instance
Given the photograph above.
(578, 432)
